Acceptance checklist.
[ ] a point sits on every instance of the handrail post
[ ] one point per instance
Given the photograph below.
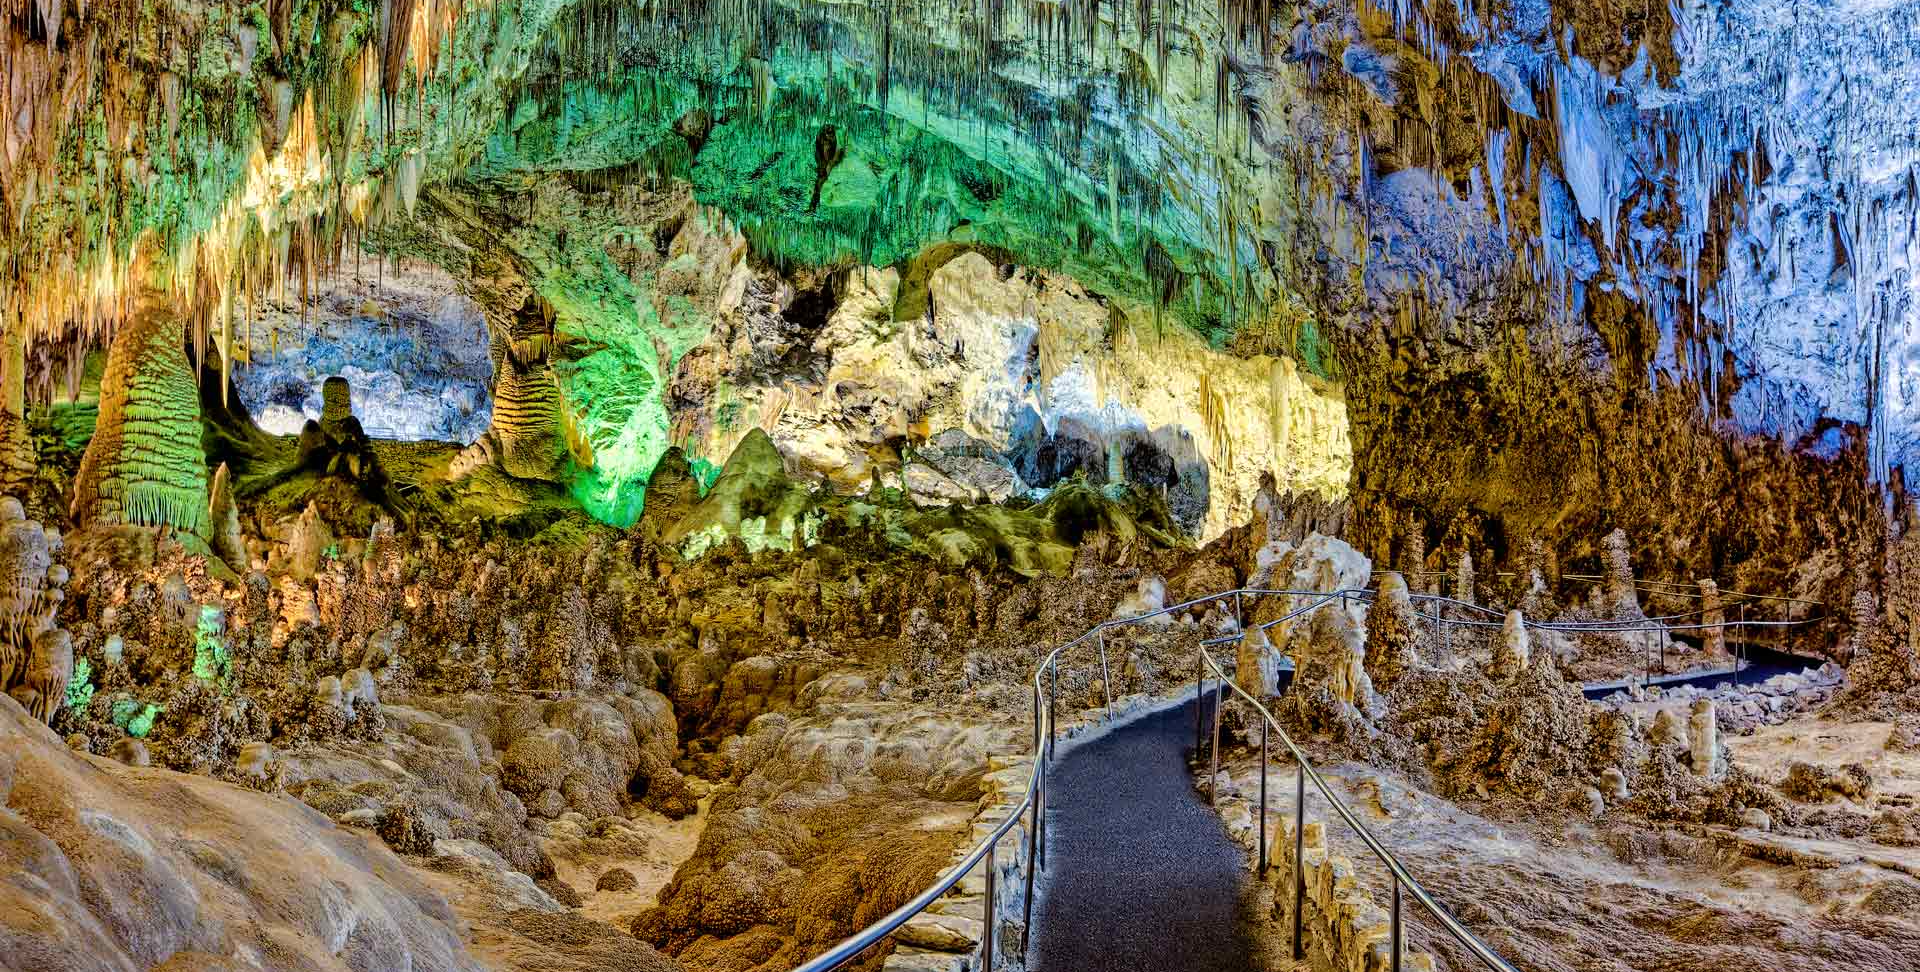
(1397, 932)
(1199, 698)
(1053, 694)
(986, 933)
(1106, 678)
(1299, 856)
(1213, 774)
(1646, 657)
(1039, 789)
(1040, 818)
(1263, 796)
(1741, 661)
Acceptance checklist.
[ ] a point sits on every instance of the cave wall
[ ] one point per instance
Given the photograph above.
(1683, 215)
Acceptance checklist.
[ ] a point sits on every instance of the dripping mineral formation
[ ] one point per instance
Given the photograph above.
(594, 485)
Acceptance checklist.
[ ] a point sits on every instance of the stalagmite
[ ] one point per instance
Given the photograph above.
(223, 521)
(1705, 730)
(1669, 731)
(1623, 599)
(1392, 630)
(1713, 638)
(1257, 669)
(144, 464)
(17, 461)
(1514, 651)
(1463, 579)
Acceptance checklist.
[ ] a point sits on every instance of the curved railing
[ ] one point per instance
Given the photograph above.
(1403, 881)
(1032, 803)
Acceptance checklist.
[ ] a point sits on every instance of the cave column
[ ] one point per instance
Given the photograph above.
(17, 459)
(524, 436)
(144, 464)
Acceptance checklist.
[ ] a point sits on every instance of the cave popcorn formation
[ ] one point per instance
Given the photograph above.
(619, 464)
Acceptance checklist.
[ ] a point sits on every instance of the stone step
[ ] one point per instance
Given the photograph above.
(941, 932)
(908, 959)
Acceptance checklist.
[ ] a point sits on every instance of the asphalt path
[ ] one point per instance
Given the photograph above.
(1141, 874)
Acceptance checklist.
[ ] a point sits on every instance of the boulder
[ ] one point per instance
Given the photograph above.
(124, 868)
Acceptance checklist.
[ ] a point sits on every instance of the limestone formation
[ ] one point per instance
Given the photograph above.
(525, 435)
(144, 464)
(336, 404)
(1392, 630)
(1328, 646)
(1257, 665)
(36, 656)
(1713, 638)
(1416, 556)
(223, 522)
(1148, 600)
(1669, 731)
(1704, 752)
(308, 544)
(1623, 598)
(1513, 653)
(312, 891)
(1463, 579)
(17, 462)
(1614, 784)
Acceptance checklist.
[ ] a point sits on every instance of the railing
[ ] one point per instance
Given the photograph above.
(1304, 771)
(1032, 803)
(1646, 626)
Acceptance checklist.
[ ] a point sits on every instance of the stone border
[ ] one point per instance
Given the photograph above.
(1345, 929)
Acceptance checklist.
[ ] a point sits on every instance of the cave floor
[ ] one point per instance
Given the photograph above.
(1142, 874)
(1568, 893)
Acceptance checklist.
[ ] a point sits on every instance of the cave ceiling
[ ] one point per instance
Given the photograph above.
(1714, 195)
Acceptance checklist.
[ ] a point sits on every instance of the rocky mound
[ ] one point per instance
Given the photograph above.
(111, 867)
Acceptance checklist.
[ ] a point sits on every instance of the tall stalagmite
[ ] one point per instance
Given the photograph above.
(145, 464)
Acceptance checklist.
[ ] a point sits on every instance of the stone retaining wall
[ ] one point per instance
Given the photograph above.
(1345, 928)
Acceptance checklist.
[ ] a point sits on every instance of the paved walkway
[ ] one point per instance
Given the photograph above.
(1141, 874)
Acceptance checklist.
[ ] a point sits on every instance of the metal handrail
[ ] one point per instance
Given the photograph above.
(1033, 797)
(1305, 771)
(1673, 588)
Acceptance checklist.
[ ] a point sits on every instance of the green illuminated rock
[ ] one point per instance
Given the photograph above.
(144, 464)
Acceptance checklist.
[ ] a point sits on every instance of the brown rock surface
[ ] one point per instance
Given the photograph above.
(113, 867)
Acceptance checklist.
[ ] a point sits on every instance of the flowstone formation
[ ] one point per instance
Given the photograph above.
(144, 464)
(36, 656)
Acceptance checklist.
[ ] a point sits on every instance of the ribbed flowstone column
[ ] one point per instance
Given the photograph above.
(525, 431)
(16, 447)
(144, 464)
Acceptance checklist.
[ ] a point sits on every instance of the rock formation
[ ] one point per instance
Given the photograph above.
(17, 460)
(223, 521)
(36, 656)
(1623, 598)
(144, 464)
(1513, 652)
(1713, 638)
(1257, 665)
(1392, 631)
(1328, 646)
(109, 883)
(1705, 742)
